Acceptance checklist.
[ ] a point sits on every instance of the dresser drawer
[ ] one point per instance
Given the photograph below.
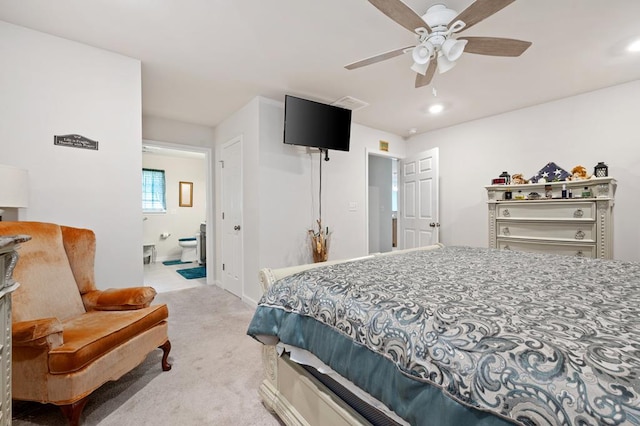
(564, 231)
(584, 210)
(568, 249)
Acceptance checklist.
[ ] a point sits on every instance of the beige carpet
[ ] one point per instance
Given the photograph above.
(214, 380)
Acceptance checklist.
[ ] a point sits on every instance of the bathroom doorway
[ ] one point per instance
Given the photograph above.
(181, 164)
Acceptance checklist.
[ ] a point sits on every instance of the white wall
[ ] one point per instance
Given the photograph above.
(180, 222)
(280, 191)
(289, 191)
(243, 124)
(173, 131)
(584, 129)
(346, 181)
(287, 207)
(52, 86)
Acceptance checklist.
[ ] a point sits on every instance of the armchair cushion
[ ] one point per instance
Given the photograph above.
(117, 299)
(37, 333)
(89, 336)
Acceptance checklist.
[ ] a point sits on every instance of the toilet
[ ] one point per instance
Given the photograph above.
(189, 246)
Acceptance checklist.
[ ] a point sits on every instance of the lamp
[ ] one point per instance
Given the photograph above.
(14, 187)
(452, 49)
(444, 64)
(422, 53)
(447, 49)
(420, 68)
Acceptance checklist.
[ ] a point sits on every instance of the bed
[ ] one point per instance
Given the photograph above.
(453, 336)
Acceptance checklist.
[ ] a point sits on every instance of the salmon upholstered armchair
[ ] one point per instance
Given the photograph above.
(68, 337)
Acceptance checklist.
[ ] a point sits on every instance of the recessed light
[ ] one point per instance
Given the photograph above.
(436, 108)
(413, 131)
(634, 46)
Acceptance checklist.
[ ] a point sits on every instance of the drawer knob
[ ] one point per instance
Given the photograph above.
(578, 213)
(506, 213)
(580, 235)
(580, 253)
(506, 248)
(506, 231)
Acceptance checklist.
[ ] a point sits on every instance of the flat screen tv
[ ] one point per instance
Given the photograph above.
(314, 124)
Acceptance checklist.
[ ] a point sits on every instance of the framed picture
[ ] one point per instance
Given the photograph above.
(186, 194)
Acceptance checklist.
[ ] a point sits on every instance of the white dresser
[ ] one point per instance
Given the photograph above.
(574, 226)
(8, 259)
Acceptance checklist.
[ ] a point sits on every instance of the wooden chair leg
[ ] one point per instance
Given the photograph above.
(73, 411)
(166, 348)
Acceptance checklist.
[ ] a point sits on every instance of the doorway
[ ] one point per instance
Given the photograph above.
(418, 176)
(196, 218)
(382, 177)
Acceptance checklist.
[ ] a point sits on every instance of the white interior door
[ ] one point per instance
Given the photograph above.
(232, 257)
(418, 200)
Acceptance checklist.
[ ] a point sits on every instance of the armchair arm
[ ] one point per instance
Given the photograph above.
(118, 299)
(46, 332)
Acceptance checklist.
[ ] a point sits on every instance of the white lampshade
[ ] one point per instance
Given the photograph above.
(420, 68)
(444, 64)
(453, 49)
(14, 187)
(422, 53)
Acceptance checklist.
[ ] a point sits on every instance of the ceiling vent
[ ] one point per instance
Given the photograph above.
(349, 102)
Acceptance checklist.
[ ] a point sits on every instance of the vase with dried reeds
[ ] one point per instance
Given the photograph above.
(319, 243)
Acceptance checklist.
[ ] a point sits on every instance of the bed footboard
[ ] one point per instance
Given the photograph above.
(288, 390)
(298, 398)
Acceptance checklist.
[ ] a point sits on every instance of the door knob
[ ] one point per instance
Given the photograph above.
(434, 225)
(236, 228)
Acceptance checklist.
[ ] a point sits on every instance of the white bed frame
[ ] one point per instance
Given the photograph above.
(290, 391)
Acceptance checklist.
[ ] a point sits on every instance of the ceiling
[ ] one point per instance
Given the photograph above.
(202, 60)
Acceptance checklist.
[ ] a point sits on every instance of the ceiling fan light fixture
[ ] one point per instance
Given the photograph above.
(422, 53)
(420, 68)
(452, 49)
(445, 64)
(436, 32)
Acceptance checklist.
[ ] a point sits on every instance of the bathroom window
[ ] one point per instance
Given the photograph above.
(153, 191)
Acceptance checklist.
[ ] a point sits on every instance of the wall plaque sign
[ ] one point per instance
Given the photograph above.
(75, 141)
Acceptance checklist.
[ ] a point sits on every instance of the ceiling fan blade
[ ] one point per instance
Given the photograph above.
(495, 46)
(377, 58)
(423, 80)
(401, 13)
(480, 10)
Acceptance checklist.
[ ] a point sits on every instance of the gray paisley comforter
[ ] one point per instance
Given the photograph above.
(536, 339)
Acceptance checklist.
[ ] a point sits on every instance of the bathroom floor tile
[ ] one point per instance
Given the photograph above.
(164, 278)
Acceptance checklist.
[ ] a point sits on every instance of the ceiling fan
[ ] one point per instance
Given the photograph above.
(438, 45)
